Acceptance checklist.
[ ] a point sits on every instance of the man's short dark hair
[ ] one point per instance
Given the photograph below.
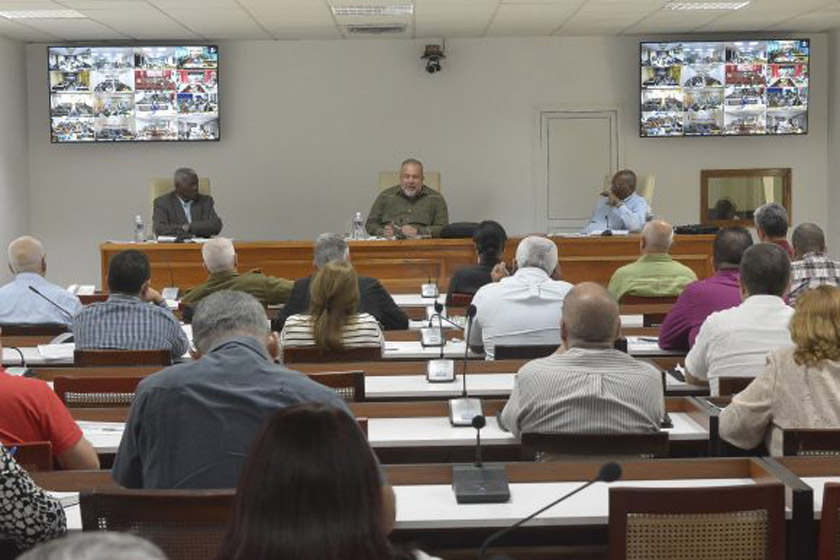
(765, 270)
(127, 272)
(730, 244)
(772, 218)
(808, 238)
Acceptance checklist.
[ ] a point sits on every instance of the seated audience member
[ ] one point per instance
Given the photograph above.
(333, 323)
(800, 386)
(191, 425)
(185, 212)
(220, 261)
(134, 317)
(771, 224)
(325, 501)
(619, 207)
(373, 297)
(700, 299)
(735, 342)
(28, 515)
(524, 308)
(19, 305)
(655, 273)
(96, 545)
(812, 266)
(31, 411)
(489, 239)
(587, 386)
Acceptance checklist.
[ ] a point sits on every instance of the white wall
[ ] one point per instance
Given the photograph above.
(307, 126)
(833, 233)
(14, 172)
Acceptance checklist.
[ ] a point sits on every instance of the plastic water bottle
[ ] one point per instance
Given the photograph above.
(139, 229)
(358, 227)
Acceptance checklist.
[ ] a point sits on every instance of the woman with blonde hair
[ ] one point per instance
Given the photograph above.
(800, 385)
(333, 323)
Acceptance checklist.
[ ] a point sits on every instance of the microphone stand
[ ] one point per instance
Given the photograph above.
(462, 410)
(54, 304)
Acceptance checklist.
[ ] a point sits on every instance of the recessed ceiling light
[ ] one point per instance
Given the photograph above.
(705, 5)
(43, 14)
(373, 11)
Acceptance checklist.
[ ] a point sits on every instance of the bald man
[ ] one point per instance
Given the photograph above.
(655, 273)
(811, 267)
(19, 305)
(586, 387)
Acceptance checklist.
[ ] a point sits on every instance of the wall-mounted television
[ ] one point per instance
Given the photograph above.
(724, 88)
(134, 94)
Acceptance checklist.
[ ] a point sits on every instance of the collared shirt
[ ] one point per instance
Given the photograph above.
(735, 342)
(696, 302)
(20, 305)
(586, 391)
(427, 211)
(187, 206)
(525, 308)
(651, 275)
(784, 395)
(191, 425)
(126, 323)
(267, 289)
(813, 270)
(631, 215)
(783, 243)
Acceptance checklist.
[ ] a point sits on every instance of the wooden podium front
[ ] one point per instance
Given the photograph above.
(403, 265)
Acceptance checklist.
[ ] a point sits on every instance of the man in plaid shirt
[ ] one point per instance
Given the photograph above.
(812, 266)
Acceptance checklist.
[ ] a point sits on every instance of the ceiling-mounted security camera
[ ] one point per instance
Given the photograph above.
(433, 54)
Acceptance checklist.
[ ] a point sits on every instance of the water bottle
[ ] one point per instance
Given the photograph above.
(139, 229)
(358, 227)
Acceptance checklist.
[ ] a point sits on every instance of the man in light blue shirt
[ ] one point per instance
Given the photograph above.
(19, 305)
(620, 207)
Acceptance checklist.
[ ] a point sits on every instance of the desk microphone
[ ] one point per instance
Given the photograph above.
(463, 410)
(60, 308)
(440, 370)
(479, 483)
(429, 289)
(609, 472)
(430, 336)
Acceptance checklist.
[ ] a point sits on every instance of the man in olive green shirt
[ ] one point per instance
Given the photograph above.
(409, 209)
(220, 261)
(655, 273)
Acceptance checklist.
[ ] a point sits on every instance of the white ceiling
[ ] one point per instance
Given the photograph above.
(209, 20)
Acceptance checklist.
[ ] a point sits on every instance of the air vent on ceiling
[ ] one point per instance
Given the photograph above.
(373, 11)
(375, 29)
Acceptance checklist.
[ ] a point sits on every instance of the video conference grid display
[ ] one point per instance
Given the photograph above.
(724, 88)
(118, 94)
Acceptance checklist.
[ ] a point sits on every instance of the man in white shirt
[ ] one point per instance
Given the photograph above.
(525, 308)
(735, 342)
(19, 305)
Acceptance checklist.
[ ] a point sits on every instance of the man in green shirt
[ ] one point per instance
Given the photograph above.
(655, 273)
(220, 261)
(409, 209)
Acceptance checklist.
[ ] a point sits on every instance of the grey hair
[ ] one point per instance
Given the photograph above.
(772, 218)
(659, 235)
(412, 161)
(226, 314)
(219, 254)
(537, 252)
(330, 247)
(185, 175)
(26, 254)
(96, 545)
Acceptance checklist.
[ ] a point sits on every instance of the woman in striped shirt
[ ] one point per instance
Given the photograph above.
(333, 323)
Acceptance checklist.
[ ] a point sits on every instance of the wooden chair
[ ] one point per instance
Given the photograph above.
(350, 385)
(829, 536)
(551, 447)
(524, 352)
(185, 524)
(94, 392)
(457, 299)
(722, 522)
(648, 319)
(92, 298)
(810, 442)
(35, 329)
(94, 358)
(728, 386)
(34, 455)
(312, 355)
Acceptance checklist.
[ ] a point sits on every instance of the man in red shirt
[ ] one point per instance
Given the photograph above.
(31, 411)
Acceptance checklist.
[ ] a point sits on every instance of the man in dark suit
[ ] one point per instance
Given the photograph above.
(373, 298)
(184, 212)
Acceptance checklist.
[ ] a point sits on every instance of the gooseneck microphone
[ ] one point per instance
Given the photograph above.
(60, 308)
(471, 311)
(463, 409)
(609, 472)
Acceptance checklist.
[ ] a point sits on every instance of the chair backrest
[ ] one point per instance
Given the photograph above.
(550, 447)
(34, 329)
(390, 178)
(648, 319)
(92, 392)
(185, 524)
(92, 298)
(457, 299)
(350, 385)
(719, 522)
(524, 352)
(93, 358)
(34, 455)
(810, 442)
(829, 536)
(645, 186)
(161, 185)
(312, 355)
(728, 386)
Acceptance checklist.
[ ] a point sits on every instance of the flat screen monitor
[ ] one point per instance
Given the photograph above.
(724, 88)
(134, 94)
